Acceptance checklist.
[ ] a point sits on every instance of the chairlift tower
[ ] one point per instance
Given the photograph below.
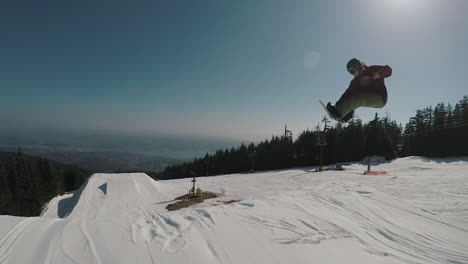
(287, 133)
(192, 191)
(321, 140)
(252, 155)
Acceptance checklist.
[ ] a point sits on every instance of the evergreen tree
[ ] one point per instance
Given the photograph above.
(5, 193)
(374, 140)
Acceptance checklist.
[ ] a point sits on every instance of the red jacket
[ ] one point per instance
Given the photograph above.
(365, 83)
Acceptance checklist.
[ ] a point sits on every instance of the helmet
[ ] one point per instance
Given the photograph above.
(354, 65)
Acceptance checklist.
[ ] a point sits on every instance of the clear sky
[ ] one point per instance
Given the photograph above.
(236, 69)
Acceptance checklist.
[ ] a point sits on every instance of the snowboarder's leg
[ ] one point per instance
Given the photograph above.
(345, 105)
(333, 113)
(347, 117)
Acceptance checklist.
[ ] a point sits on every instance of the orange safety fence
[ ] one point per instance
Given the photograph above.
(374, 172)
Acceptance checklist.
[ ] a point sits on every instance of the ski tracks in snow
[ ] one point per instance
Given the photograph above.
(170, 229)
(9, 239)
(383, 224)
(90, 241)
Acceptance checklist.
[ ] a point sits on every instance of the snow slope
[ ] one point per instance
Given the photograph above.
(416, 213)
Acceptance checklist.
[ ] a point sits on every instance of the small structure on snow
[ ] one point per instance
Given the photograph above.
(371, 172)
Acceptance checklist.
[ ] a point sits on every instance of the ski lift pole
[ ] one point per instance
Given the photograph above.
(192, 191)
(321, 141)
(368, 164)
(252, 155)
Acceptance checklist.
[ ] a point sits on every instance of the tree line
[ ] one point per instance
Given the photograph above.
(434, 132)
(438, 132)
(27, 183)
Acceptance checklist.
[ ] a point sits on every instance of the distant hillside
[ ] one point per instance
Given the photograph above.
(37, 141)
(105, 161)
(28, 182)
(112, 161)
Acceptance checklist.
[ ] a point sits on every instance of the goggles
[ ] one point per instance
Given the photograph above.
(352, 70)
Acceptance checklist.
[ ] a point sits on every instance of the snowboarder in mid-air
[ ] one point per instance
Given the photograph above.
(367, 89)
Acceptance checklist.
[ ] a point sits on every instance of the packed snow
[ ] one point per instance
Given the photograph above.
(415, 213)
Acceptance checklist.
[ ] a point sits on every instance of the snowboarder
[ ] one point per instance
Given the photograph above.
(367, 89)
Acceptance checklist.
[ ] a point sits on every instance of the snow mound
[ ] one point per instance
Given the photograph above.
(109, 193)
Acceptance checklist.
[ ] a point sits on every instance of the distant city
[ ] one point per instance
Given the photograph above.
(104, 152)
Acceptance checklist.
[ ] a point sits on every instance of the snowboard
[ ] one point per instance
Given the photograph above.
(344, 120)
(328, 113)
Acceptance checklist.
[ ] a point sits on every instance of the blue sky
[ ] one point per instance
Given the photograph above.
(233, 69)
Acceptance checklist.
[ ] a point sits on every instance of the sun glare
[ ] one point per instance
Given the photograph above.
(405, 3)
(414, 8)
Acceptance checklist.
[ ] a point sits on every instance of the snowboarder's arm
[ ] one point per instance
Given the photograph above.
(381, 71)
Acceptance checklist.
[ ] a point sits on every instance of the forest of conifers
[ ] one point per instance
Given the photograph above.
(433, 132)
(27, 183)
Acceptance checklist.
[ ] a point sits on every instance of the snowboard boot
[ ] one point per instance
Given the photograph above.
(347, 117)
(333, 112)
